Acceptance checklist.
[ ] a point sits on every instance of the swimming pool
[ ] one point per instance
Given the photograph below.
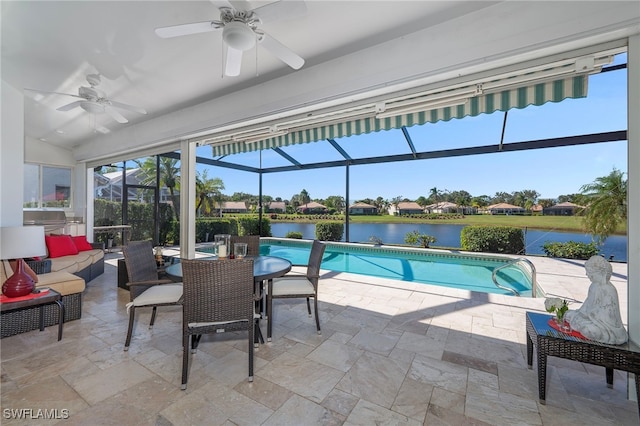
(462, 271)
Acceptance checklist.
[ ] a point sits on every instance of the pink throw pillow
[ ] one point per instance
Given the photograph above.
(60, 245)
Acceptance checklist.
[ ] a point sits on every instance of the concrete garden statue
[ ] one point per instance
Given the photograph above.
(599, 318)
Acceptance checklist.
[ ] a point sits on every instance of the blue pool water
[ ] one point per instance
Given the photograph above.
(465, 272)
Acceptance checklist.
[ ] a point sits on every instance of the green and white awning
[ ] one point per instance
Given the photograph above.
(502, 100)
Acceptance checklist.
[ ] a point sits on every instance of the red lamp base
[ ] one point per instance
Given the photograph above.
(18, 284)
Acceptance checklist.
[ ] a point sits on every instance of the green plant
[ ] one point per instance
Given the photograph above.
(570, 250)
(415, 237)
(294, 234)
(329, 231)
(492, 239)
(250, 225)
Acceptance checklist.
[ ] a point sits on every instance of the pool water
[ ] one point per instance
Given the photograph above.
(467, 272)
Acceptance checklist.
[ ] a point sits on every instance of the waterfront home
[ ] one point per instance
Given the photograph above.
(504, 208)
(562, 209)
(362, 209)
(405, 207)
(312, 208)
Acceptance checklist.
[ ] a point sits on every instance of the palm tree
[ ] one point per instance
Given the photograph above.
(304, 197)
(169, 177)
(607, 204)
(207, 190)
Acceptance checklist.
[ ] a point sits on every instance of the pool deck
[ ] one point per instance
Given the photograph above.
(390, 352)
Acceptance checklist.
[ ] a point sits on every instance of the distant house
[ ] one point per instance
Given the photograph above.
(362, 208)
(562, 209)
(448, 207)
(234, 207)
(504, 208)
(405, 207)
(537, 208)
(276, 207)
(312, 208)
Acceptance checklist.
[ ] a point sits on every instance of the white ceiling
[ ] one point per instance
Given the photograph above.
(350, 48)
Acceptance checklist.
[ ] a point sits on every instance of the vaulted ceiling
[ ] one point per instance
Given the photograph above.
(353, 50)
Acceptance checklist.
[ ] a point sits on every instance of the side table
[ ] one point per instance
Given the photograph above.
(47, 298)
(550, 342)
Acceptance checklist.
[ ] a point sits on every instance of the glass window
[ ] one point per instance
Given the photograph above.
(47, 186)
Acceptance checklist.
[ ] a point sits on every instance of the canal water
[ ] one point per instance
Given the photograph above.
(449, 236)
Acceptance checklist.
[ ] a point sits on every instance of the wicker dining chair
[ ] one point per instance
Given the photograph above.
(218, 297)
(146, 289)
(252, 241)
(297, 286)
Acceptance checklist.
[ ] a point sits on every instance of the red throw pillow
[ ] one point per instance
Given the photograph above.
(60, 245)
(81, 243)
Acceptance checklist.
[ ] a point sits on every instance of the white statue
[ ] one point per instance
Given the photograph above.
(598, 318)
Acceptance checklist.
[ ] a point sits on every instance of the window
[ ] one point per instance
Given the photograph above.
(46, 186)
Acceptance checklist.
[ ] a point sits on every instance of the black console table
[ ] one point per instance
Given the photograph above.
(550, 342)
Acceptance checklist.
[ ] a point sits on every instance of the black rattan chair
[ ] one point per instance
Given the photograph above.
(252, 241)
(146, 289)
(293, 286)
(218, 297)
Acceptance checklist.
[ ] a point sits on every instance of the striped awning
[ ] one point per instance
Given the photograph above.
(503, 100)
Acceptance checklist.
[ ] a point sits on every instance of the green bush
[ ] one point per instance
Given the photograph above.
(329, 231)
(294, 234)
(570, 250)
(250, 225)
(415, 237)
(492, 239)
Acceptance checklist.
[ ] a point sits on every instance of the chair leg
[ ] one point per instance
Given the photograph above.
(315, 307)
(195, 341)
(269, 312)
(153, 317)
(250, 329)
(132, 312)
(308, 307)
(185, 360)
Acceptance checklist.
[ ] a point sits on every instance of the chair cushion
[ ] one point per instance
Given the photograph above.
(158, 294)
(292, 286)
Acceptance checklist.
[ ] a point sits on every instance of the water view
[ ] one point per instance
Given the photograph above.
(449, 236)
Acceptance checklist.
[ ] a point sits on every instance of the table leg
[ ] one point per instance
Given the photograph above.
(609, 374)
(542, 375)
(638, 391)
(529, 352)
(41, 317)
(61, 318)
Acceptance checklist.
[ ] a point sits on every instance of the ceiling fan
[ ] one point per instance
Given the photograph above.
(95, 101)
(240, 32)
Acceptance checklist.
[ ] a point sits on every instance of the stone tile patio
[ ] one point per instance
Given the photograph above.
(390, 353)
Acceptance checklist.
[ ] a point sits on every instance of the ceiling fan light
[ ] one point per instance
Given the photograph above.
(92, 107)
(238, 36)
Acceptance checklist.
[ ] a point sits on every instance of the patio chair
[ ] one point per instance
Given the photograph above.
(252, 241)
(218, 297)
(292, 286)
(146, 289)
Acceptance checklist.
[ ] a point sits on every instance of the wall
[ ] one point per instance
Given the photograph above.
(11, 155)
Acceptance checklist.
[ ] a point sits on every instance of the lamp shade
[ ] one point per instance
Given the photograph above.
(22, 241)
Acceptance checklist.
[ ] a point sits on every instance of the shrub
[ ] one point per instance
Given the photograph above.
(294, 234)
(492, 239)
(250, 225)
(415, 237)
(570, 250)
(329, 231)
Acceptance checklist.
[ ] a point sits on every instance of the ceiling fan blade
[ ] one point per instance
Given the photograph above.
(44, 92)
(234, 62)
(186, 29)
(128, 107)
(115, 114)
(281, 51)
(281, 11)
(70, 106)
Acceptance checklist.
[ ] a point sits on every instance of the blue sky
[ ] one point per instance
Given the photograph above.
(551, 172)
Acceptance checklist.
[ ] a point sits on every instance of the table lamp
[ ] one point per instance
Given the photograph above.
(16, 243)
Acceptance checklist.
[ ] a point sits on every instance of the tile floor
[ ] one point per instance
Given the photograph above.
(390, 353)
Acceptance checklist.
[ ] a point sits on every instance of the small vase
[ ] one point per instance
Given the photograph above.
(563, 325)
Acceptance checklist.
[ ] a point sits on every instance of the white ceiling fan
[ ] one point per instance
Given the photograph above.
(94, 100)
(240, 31)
